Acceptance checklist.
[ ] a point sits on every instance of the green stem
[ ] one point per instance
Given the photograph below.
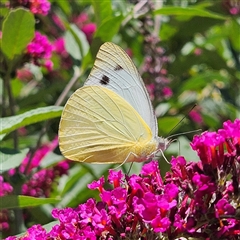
(18, 220)
(11, 100)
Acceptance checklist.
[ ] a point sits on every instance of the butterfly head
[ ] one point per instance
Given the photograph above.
(163, 143)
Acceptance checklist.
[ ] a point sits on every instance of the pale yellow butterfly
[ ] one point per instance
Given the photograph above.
(110, 119)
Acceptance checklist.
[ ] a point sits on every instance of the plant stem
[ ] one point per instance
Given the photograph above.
(11, 100)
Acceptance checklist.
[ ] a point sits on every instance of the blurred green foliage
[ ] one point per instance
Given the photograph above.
(200, 39)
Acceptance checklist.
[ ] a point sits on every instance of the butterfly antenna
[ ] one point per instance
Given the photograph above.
(182, 119)
(178, 134)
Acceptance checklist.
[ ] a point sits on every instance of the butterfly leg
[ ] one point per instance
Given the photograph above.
(126, 161)
(160, 150)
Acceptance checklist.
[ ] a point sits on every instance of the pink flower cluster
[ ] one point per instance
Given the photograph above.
(195, 115)
(232, 6)
(153, 68)
(83, 22)
(40, 50)
(197, 200)
(5, 189)
(59, 48)
(39, 6)
(41, 182)
(36, 6)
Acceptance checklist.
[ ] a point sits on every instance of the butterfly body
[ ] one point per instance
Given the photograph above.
(110, 119)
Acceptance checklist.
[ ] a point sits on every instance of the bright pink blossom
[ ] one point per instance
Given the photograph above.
(89, 29)
(196, 200)
(39, 6)
(40, 50)
(196, 116)
(86, 25)
(167, 92)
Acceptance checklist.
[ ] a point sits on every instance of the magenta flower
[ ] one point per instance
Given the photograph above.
(60, 50)
(155, 73)
(167, 92)
(197, 200)
(224, 208)
(206, 145)
(40, 50)
(38, 156)
(39, 6)
(40, 46)
(197, 51)
(97, 184)
(88, 27)
(59, 47)
(115, 178)
(41, 182)
(5, 189)
(160, 224)
(196, 116)
(58, 21)
(232, 6)
(151, 90)
(24, 75)
(36, 6)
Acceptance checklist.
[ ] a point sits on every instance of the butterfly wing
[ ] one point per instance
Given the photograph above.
(114, 69)
(99, 126)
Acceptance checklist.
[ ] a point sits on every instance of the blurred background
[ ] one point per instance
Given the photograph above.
(187, 52)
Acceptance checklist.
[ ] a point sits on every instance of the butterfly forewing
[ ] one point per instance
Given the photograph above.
(97, 125)
(113, 69)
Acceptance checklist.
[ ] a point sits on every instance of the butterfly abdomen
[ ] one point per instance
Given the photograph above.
(144, 149)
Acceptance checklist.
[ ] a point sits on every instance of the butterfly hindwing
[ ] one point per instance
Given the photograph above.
(97, 125)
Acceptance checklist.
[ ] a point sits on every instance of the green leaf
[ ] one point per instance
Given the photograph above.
(73, 178)
(234, 30)
(20, 201)
(9, 124)
(201, 80)
(11, 158)
(2, 136)
(51, 159)
(102, 10)
(18, 31)
(4, 11)
(49, 226)
(109, 28)
(167, 31)
(65, 6)
(188, 11)
(76, 42)
(166, 124)
(16, 86)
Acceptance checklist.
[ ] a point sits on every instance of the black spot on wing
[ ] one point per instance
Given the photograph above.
(105, 80)
(117, 68)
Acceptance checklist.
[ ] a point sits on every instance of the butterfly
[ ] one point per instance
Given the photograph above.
(110, 119)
